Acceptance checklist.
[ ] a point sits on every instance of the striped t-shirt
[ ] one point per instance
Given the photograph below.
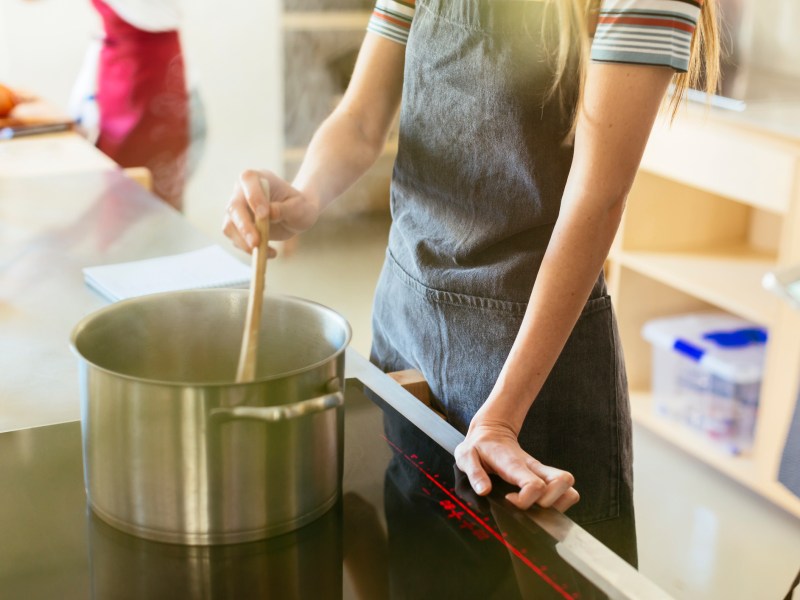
(648, 32)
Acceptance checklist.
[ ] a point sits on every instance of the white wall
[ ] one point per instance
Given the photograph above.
(777, 36)
(235, 57)
(42, 44)
(233, 52)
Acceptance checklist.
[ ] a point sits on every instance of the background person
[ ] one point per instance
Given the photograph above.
(141, 91)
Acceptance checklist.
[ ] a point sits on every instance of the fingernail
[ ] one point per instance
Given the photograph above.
(251, 240)
(262, 212)
(479, 487)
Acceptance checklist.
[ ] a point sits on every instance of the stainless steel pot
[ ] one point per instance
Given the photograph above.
(176, 451)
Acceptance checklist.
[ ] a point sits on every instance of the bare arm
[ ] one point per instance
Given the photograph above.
(346, 144)
(620, 105)
(353, 137)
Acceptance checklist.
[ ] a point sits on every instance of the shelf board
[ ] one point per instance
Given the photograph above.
(729, 278)
(354, 20)
(741, 469)
(295, 154)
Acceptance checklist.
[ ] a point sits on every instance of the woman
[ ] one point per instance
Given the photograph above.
(141, 92)
(515, 158)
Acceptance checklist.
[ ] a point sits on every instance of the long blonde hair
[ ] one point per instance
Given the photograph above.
(576, 20)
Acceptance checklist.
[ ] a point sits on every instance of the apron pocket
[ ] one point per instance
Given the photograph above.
(580, 422)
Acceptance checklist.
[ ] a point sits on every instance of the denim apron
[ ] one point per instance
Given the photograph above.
(476, 190)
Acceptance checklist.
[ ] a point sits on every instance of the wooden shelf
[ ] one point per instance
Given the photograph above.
(753, 168)
(729, 278)
(742, 469)
(326, 21)
(714, 207)
(295, 154)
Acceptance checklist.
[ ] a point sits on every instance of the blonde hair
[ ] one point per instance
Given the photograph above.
(576, 20)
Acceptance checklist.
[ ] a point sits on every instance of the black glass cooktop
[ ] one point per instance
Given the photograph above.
(406, 526)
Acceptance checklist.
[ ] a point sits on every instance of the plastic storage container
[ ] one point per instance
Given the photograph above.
(707, 370)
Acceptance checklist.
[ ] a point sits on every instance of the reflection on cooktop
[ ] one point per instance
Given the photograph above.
(447, 542)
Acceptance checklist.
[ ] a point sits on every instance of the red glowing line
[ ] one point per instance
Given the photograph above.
(488, 527)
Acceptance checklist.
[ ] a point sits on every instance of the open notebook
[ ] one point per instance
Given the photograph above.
(205, 268)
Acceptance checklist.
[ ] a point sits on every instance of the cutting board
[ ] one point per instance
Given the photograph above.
(34, 116)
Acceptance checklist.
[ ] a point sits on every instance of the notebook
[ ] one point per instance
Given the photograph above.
(208, 267)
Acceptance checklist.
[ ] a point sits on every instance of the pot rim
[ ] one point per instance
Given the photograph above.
(84, 322)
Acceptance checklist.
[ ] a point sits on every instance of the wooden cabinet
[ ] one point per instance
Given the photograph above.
(716, 204)
(321, 39)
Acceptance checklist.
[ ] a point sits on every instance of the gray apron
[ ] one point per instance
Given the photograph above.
(476, 190)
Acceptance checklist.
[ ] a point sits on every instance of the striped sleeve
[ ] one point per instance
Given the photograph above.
(648, 32)
(392, 19)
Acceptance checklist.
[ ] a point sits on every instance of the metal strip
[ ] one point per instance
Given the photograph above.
(586, 554)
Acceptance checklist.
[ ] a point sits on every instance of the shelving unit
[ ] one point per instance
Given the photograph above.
(320, 40)
(716, 204)
(326, 21)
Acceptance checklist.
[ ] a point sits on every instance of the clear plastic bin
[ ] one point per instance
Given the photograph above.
(707, 370)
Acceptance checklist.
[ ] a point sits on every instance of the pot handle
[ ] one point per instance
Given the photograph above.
(281, 412)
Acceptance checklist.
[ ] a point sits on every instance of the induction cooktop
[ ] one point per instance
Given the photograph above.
(406, 526)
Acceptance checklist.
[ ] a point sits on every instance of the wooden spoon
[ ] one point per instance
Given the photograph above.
(248, 354)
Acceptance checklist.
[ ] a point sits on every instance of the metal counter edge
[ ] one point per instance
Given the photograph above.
(590, 557)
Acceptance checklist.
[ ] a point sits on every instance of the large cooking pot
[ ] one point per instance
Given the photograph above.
(176, 451)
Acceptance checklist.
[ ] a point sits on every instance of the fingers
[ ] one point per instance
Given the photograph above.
(249, 200)
(238, 224)
(529, 493)
(568, 499)
(469, 461)
(558, 483)
(256, 188)
(537, 483)
(240, 230)
(532, 488)
(262, 194)
(543, 486)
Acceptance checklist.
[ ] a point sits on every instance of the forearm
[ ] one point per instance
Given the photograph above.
(342, 149)
(618, 110)
(351, 139)
(576, 253)
(338, 155)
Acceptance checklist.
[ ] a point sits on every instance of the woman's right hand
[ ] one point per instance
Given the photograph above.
(258, 194)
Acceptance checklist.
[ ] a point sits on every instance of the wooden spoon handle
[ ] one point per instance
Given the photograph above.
(248, 354)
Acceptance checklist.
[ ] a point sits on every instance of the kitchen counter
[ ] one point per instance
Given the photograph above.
(406, 525)
(51, 154)
(51, 226)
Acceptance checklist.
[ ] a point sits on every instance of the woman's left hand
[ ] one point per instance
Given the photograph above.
(492, 448)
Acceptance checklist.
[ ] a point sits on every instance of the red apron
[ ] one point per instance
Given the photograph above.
(143, 102)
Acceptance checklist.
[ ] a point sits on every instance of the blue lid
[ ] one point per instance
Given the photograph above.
(728, 346)
(738, 338)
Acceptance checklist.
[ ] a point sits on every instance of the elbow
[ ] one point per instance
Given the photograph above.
(602, 213)
(616, 206)
(368, 137)
(612, 214)
(605, 206)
